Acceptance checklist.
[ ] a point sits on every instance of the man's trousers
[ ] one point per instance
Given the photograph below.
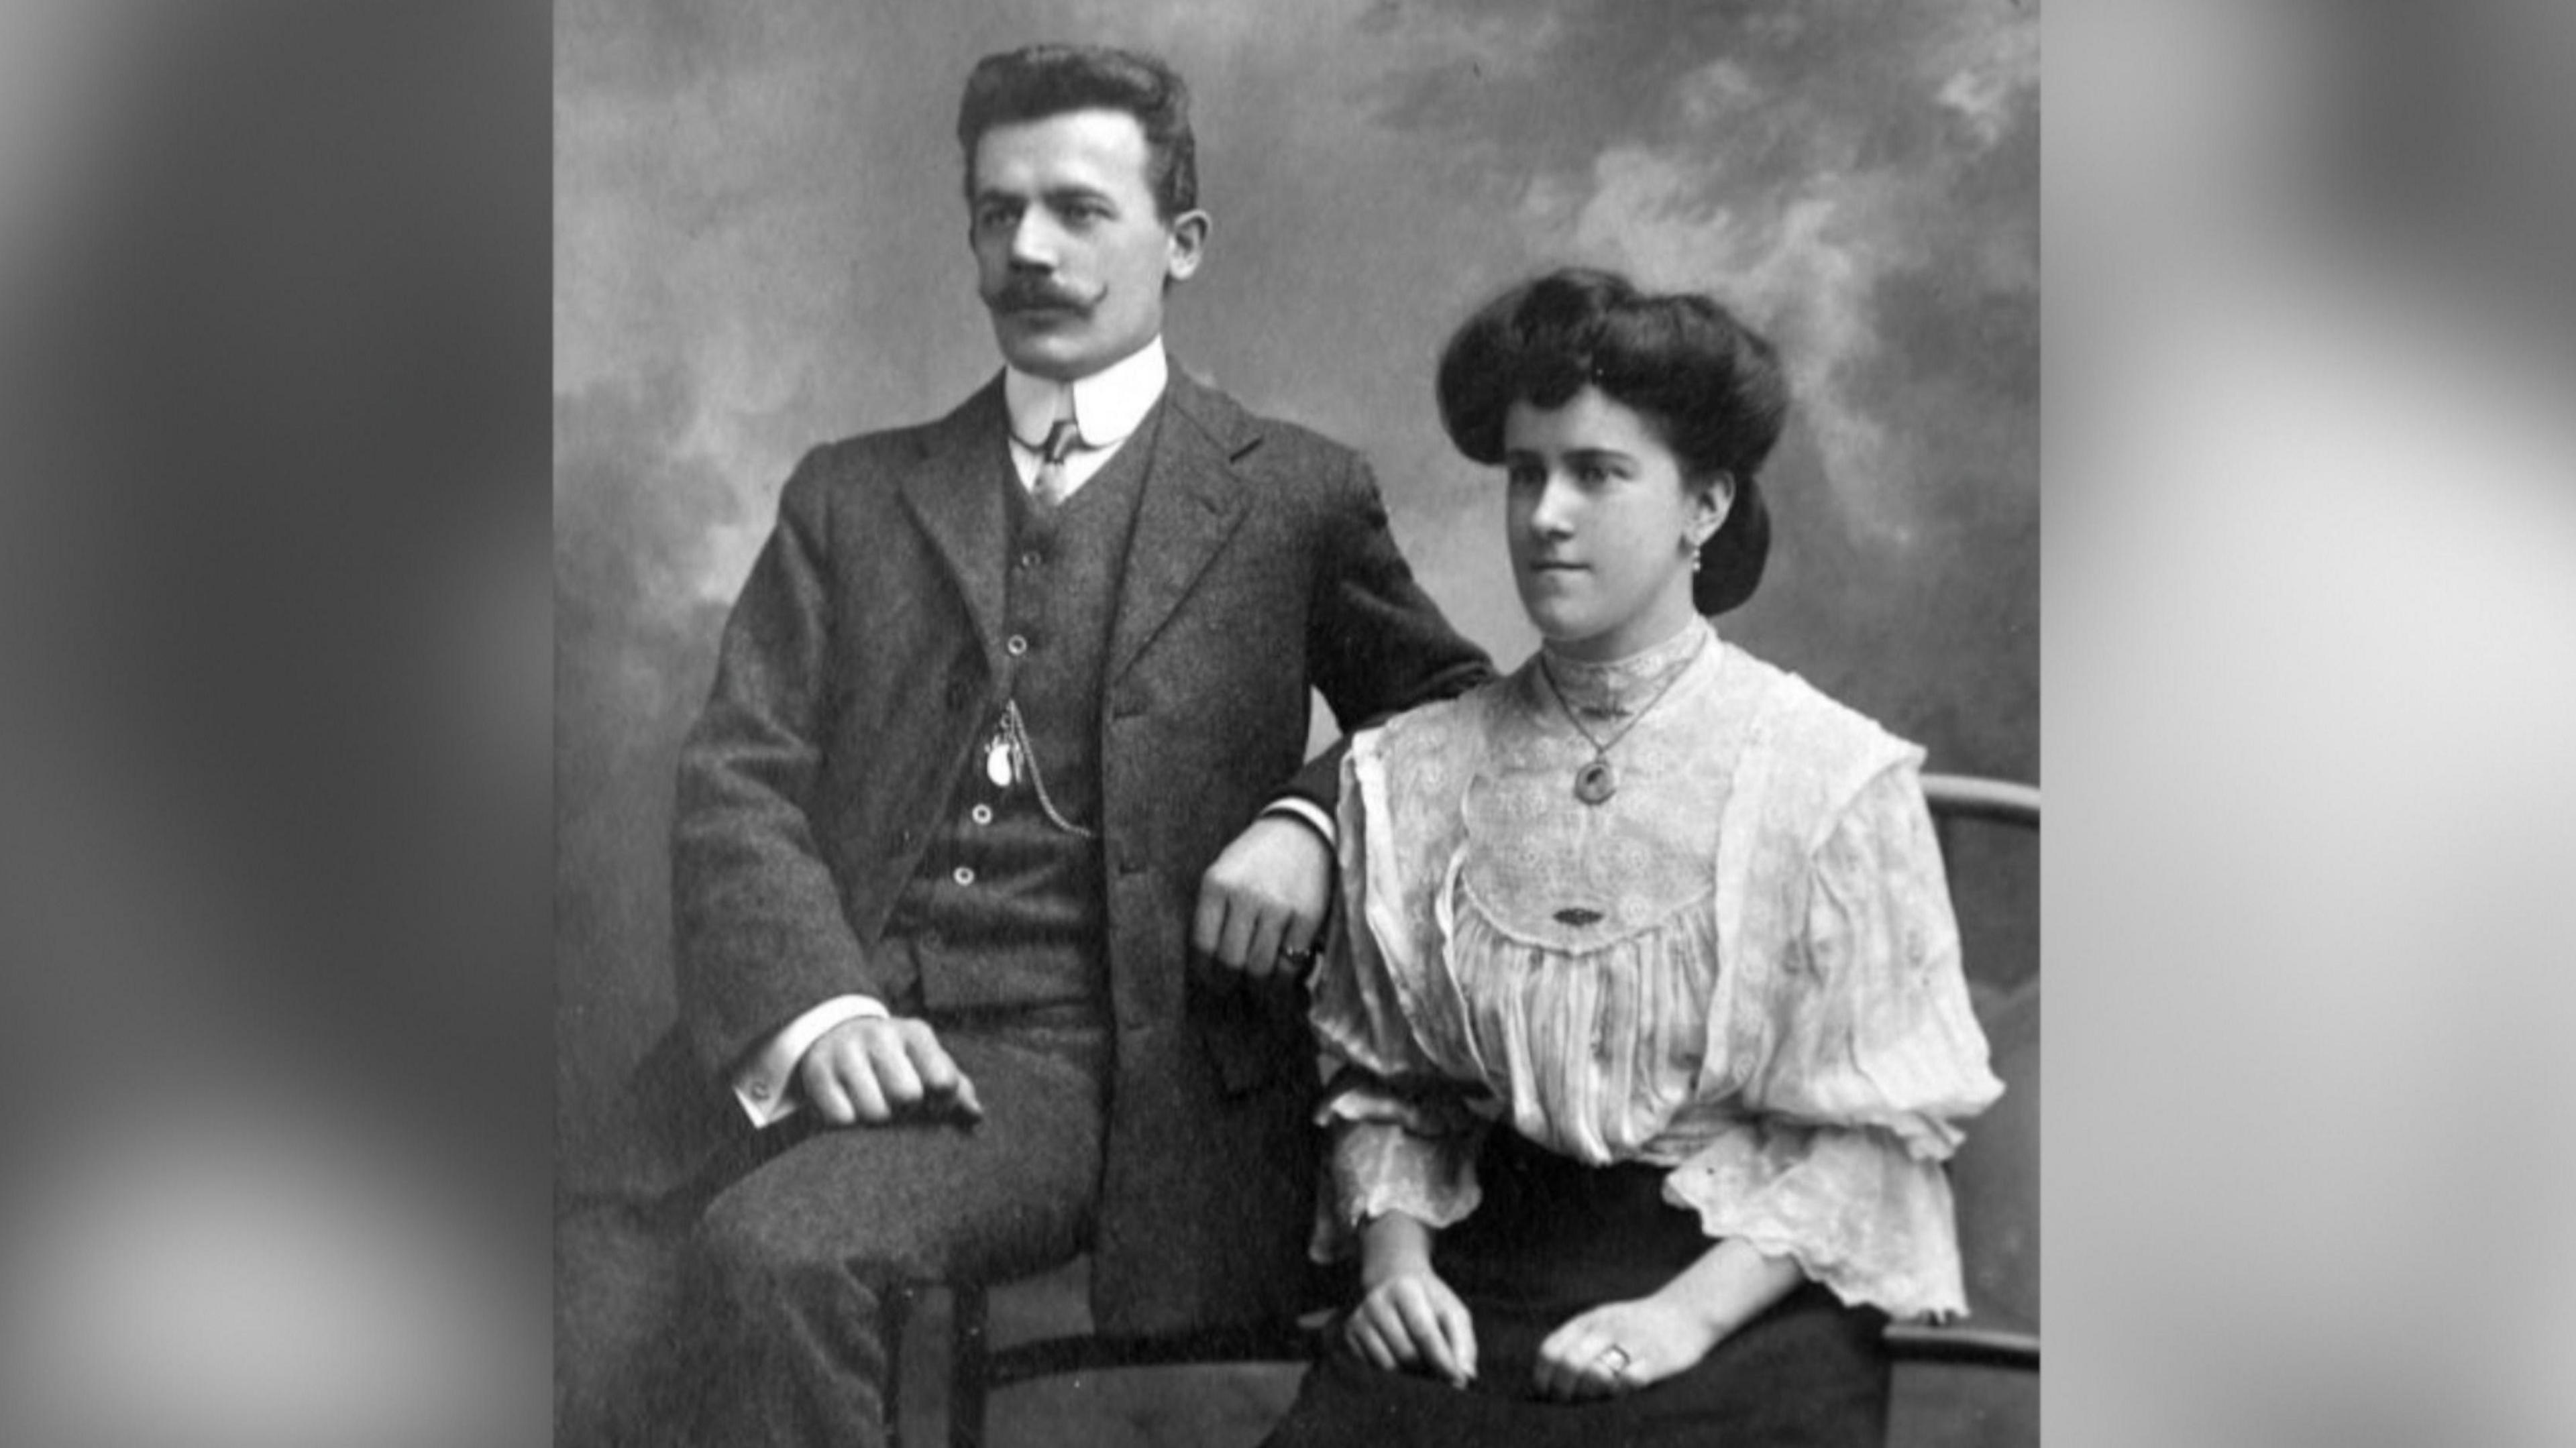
(779, 1336)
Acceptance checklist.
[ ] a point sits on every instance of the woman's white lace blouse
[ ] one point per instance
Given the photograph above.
(1742, 966)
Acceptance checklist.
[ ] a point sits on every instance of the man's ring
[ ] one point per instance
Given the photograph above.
(1620, 1367)
(1299, 958)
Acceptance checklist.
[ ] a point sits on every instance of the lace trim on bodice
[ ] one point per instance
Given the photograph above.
(1551, 872)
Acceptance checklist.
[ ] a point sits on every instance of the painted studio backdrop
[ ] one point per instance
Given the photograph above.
(761, 244)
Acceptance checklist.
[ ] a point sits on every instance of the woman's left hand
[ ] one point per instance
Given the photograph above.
(1620, 1347)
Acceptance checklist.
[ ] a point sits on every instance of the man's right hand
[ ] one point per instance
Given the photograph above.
(878, 1070)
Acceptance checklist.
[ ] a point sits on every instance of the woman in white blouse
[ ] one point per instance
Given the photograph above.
(1651, 1032)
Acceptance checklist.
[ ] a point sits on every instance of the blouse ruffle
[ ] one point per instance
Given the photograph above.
(1804, 1088)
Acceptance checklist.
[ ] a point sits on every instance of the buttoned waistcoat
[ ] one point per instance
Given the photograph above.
(858, 676)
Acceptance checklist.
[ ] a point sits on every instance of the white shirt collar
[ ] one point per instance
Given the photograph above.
(1107, 405)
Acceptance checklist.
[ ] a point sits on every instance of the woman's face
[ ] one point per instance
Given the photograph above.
(1602, 525)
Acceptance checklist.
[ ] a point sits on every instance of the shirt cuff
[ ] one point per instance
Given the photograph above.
(1300, 808)
(1849, 1206)
(764, 1084)
(1379, 1167)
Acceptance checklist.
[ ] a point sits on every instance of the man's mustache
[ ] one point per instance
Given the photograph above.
(1033, 294)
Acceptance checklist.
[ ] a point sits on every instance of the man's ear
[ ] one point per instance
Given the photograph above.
(1188, 234)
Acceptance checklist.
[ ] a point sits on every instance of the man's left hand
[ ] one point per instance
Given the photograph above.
(1262, 904)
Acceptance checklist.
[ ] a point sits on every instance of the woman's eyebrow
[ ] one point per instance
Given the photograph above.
(1572, 455)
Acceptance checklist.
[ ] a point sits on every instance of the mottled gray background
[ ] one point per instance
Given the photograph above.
(760, 245)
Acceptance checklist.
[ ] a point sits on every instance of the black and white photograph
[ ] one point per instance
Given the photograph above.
(1298, 727)
(1130, 723)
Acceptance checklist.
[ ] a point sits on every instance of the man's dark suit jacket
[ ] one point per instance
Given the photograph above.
(856, 680)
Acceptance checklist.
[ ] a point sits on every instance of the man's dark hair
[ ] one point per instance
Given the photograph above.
(1710, 385)
(1038, 81)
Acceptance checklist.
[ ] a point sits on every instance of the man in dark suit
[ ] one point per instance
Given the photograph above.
(1006, 732)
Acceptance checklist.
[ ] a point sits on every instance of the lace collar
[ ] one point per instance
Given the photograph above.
(1614, 690)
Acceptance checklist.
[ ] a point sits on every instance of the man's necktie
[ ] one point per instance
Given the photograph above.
(1053, 484)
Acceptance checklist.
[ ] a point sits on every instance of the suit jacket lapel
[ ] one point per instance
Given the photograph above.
(956, 497)
(1192, 503)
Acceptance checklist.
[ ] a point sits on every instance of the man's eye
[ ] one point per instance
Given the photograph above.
(1523, 477)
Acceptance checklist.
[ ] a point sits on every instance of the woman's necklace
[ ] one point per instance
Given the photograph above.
(1595, 782)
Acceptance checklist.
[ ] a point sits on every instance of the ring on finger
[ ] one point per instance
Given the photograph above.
(1618, 1359)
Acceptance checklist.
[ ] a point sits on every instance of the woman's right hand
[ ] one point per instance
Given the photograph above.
(1407, 1318)
(1414, 1321)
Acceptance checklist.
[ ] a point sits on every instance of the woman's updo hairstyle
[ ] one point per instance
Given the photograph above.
(1710, 385)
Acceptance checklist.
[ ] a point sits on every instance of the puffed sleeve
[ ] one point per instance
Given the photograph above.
(1404, 1133)
(1874, 1059)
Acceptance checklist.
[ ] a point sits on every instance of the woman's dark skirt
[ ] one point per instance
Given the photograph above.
(1554, 1238)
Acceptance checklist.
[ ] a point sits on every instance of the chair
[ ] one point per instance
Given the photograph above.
(978, 1368)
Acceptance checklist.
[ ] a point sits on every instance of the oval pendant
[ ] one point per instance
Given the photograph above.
(997, 764)
(1595, 782)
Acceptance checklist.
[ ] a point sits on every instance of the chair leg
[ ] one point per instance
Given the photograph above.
(894, 1315)
(968, 1380)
